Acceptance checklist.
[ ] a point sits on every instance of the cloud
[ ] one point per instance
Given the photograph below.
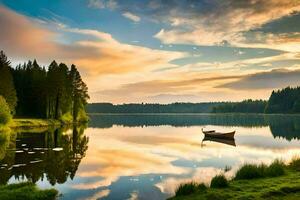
(18, 34)
(96, 4)
(212, 22)
(148, 87)
(100, 55)
(99, 195)
(274, 79)
(281, 41)
(131, 16)
(102, 4)
(26, 38)
(120, 72)
(212, 87)
(240, 66)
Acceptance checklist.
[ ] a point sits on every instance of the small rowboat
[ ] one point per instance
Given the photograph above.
(219, 135)
(211, 131)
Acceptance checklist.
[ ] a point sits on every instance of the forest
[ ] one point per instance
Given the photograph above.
(32, 91)
(286, 100)
(151, 108)
(246, 106)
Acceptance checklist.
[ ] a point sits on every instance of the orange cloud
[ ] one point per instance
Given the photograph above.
(20, 35)
(27, 38)
(227, 21)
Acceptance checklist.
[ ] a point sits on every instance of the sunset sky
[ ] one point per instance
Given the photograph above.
(161, 50)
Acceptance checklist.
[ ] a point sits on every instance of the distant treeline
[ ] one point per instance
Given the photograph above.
(286, 100)
(246, 106)
(151, 108)
(55, 92)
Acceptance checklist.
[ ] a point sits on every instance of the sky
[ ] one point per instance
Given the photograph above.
(161, 51)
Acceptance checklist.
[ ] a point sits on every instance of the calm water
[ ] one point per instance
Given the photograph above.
(142, 156)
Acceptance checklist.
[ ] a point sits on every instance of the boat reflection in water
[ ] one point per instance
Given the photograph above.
(228, 141)
(143, 156)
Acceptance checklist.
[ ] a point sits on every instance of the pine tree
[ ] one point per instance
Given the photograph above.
(7, 88)
(79, 92)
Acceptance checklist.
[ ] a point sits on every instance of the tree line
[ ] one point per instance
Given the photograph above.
(286, 100)
(246, 106)
(55, 92)
(151, 108)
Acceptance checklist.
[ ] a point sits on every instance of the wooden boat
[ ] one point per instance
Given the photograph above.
(211, 131)
(219, 135)
(228, 141)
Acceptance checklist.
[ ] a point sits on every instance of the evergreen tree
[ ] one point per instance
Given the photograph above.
(56, 93)
(296, 107)
(79, 92)
(5, 115)
(7, 88)
(284, 101)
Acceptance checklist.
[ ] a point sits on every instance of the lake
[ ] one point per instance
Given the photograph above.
(143, 156)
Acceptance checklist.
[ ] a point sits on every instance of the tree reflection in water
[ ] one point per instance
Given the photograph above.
(52, 154)
(284, 126)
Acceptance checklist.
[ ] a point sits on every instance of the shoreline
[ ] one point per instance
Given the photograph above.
(264, 114)
(278, 181)
(33, 123)
(27, 190)
(282, 187)
(28, 123)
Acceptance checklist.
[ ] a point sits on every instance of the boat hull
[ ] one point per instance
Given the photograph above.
(220, 135)
(213, 131)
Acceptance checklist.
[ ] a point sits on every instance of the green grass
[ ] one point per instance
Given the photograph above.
(252, 171)
(189, 188)
(24, 123)
(286, 187)
(219, 181)
(276, 181)
(40, 123)
(275, 169)
(295, 164)
(26, 191)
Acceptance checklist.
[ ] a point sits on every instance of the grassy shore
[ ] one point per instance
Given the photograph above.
(26, 191)
(32, 125)
(29, 123)
(279, 181)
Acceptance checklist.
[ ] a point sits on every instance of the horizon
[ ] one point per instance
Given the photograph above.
(153, 51)
(181, 102)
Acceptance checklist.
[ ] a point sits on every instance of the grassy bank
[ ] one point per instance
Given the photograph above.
(277, 181)
(32, 123)
(26, 191)
(39, 123)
